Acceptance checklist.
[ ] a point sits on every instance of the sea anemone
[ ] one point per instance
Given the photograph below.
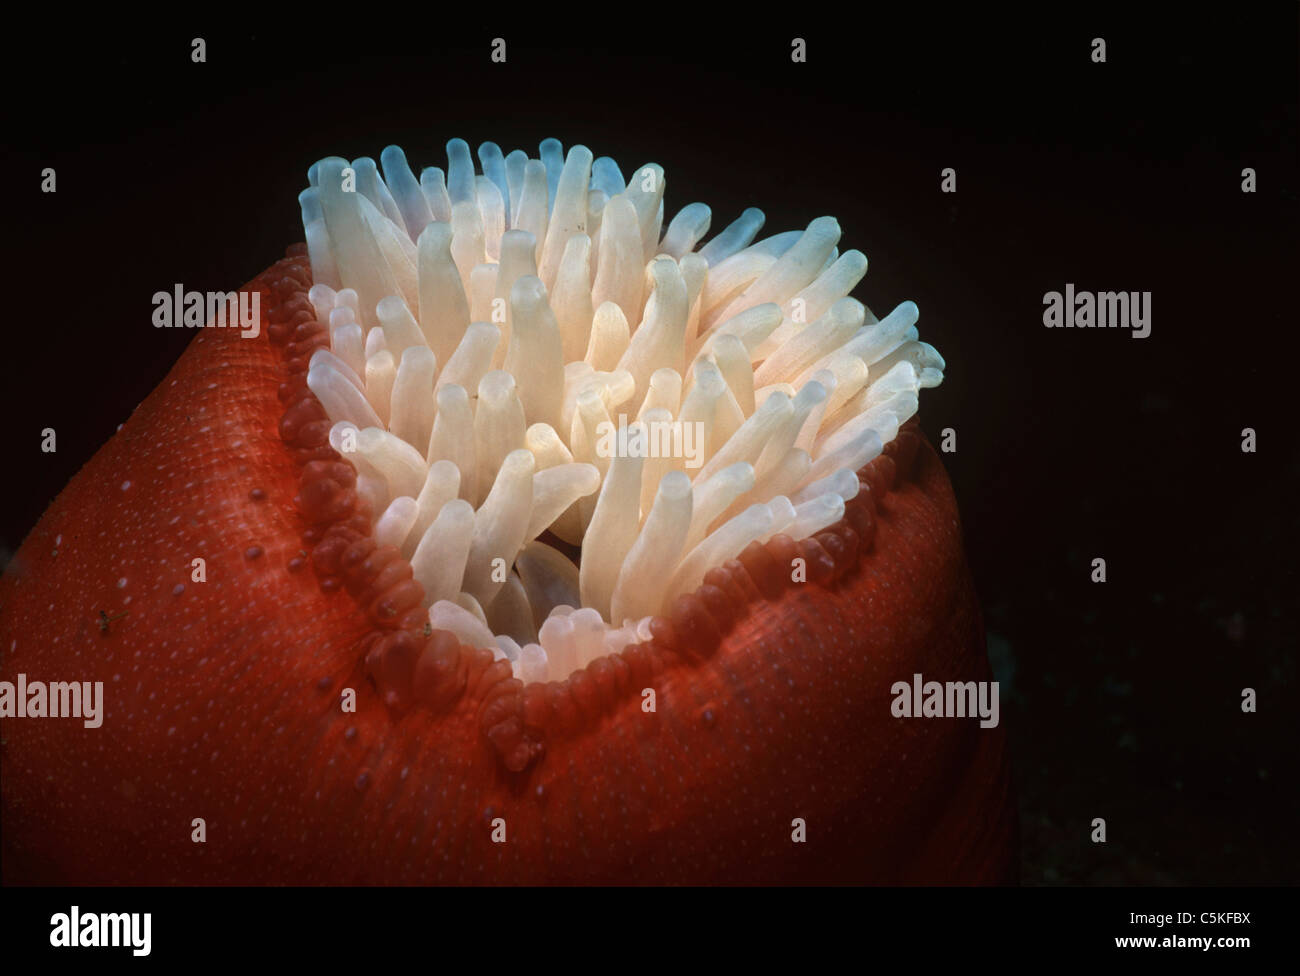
(522, 540)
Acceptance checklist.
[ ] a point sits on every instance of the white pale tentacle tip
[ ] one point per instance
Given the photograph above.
(487, 327)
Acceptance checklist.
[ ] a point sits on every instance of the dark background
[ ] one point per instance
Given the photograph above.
(1122, 699)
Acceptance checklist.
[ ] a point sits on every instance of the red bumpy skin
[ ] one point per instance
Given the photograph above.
(222, 698)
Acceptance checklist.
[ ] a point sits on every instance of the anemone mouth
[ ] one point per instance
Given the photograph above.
(564, 416)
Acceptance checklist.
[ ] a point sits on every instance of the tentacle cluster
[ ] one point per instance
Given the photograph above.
(522, 362)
